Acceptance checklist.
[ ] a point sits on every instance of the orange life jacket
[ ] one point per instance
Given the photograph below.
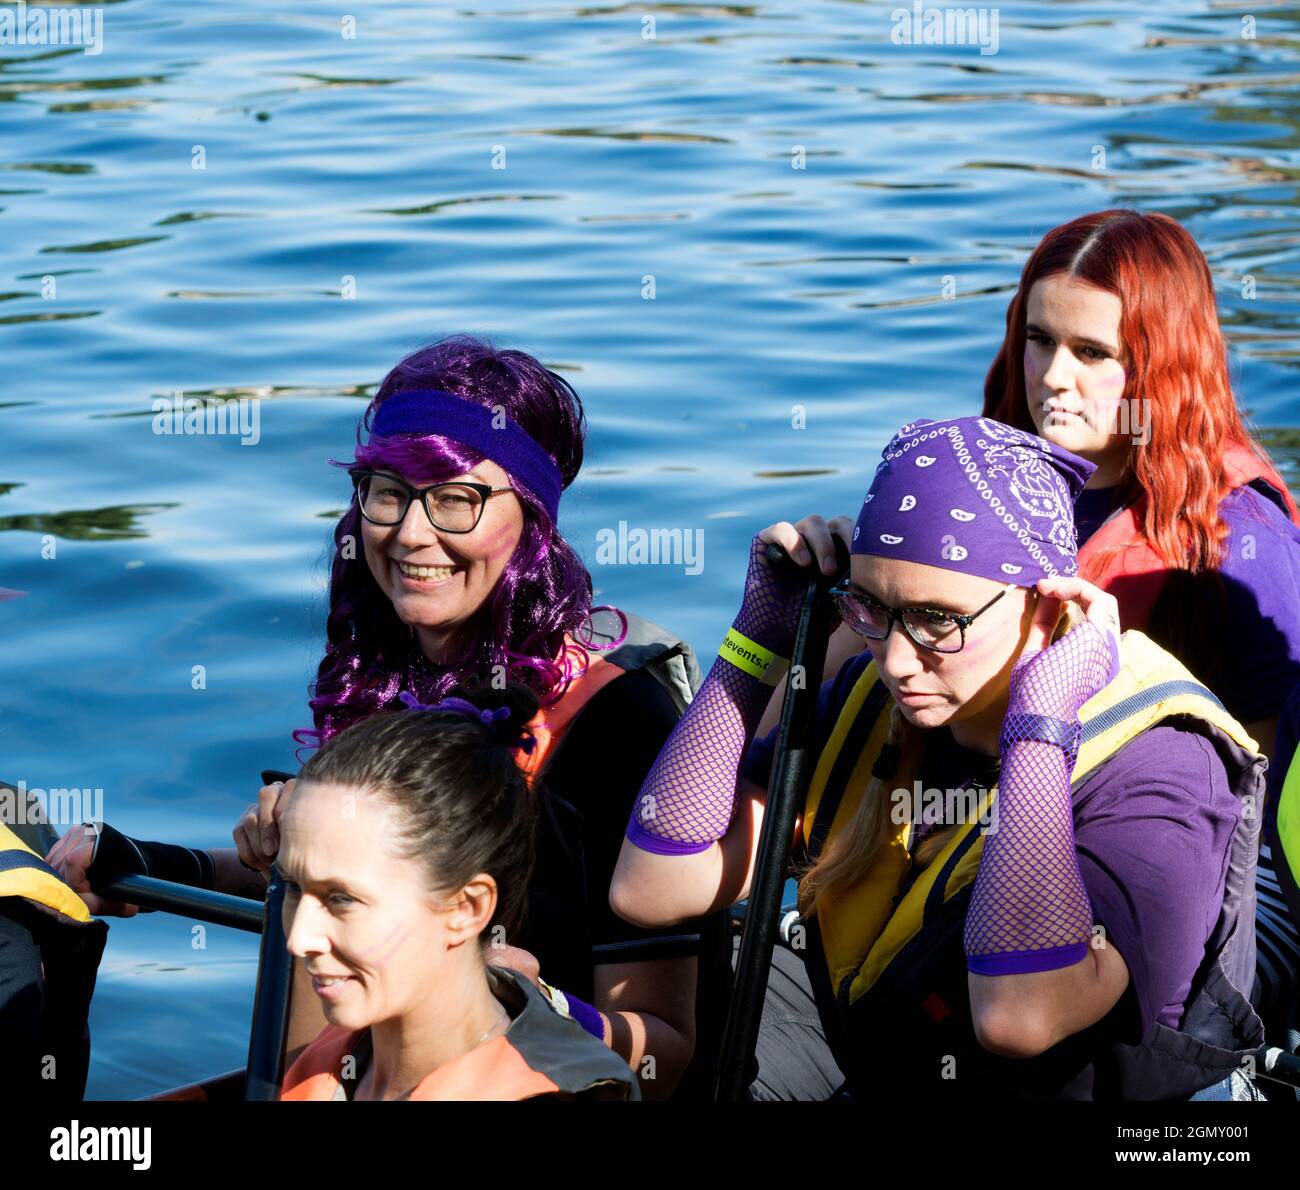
(494, 1070)
(1132, 571)
(542, 1053)
(550, 723)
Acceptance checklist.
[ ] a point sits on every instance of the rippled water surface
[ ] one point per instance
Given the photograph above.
(534, 172)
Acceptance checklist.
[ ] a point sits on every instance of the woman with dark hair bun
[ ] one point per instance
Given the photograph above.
(449, 570)
(408, 844)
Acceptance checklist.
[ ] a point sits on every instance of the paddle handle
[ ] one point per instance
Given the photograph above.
(791, 770)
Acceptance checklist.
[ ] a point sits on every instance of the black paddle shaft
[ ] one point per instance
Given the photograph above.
(791, 771)
(270, 1025)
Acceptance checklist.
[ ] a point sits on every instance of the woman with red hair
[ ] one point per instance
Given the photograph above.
(1113, 350)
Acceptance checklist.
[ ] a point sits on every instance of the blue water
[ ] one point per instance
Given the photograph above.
(625, 157)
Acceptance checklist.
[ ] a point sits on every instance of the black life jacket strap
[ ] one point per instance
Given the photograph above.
(15, 859)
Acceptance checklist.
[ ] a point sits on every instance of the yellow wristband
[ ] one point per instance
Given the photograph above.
(750, 656)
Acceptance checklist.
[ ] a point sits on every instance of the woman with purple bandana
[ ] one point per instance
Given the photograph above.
(1020, 935)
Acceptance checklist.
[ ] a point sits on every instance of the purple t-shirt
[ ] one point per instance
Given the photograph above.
(1091, 509)
(1153, 831)
(1261, 576)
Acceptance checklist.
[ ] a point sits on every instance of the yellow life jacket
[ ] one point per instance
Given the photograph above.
(872, 932)
(25, 874)
(70, 944)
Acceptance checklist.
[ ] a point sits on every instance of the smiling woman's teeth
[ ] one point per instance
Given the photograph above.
(437, 573)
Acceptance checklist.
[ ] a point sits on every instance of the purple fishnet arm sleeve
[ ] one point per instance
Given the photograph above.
(689, 795)
(1029, 909)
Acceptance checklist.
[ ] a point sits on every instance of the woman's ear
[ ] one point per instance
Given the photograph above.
(472, 909)
(1069, 617)
(1045, 613)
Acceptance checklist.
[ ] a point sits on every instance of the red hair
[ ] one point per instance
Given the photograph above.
(1177, 360)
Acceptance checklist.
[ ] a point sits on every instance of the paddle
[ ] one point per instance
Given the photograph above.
(270, 1027)
(185, 900)
(266, 1035)
(791, 770)
(270, 1023)
(274, 966)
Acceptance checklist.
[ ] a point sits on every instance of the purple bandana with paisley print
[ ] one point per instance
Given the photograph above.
(976, 496)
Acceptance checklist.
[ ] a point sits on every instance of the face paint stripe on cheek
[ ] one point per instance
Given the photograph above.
(500, 542)
(1110, 394)
(377, 956)
(978, 643)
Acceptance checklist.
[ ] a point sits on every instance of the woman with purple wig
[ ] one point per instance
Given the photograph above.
(449, 571)
(1026, 855)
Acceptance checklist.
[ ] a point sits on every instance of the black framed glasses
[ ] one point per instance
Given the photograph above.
(384, 498)
(938, 631)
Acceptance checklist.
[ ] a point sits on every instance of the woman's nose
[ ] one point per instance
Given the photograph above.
(303, 935)
(898, 655)
(1060, 372)
(416, 529)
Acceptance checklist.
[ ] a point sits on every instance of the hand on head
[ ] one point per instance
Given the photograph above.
(1056, 594)
(257, 833)
(1057, 679)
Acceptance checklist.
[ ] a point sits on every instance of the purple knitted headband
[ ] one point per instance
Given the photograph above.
(494, 435)
(975, 496)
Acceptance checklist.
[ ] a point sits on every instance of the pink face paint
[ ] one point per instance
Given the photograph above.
(1110, 414)
(1111, 389)
(377, 956)
(977, 643)
(1032, 373)
(499, 543)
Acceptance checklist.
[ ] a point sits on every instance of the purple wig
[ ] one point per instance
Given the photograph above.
(544, 593)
